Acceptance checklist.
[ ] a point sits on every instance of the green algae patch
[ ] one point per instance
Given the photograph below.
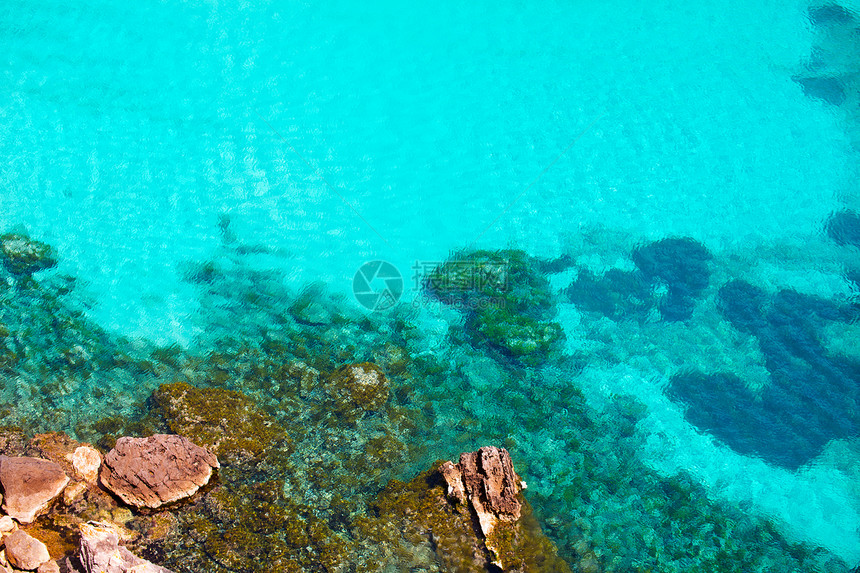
(508, 302)
(225, 421)
(255, 528)
(416, 525)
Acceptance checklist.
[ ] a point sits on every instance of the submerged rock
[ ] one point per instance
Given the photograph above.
(24, 551)
(357, 389)
(154, 471)
(682, 265)
(474, 514)
(29, 485)
(102, 553)
(23, 256)
(226, 422)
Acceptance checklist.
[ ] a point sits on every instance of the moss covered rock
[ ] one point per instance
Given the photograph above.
(224, 421)
(509, 303)
(416, 520)
(23, 256)
(356, 389)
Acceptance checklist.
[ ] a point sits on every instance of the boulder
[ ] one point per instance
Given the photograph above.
(154, 471)
(25, 552)
(29, 485)
(102, 553)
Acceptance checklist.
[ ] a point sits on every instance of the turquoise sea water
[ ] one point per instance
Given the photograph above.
(324, 136)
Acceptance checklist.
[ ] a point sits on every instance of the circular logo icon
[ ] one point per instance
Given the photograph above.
(377, 285)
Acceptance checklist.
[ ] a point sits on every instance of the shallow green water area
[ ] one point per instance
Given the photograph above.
(672, 187)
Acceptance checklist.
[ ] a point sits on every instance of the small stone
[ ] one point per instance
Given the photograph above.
(48, 567)
(87, 460)
(154, 471)
(30, 484)
(25, 552)
(102, 553)
(6, 524)
(73, 491)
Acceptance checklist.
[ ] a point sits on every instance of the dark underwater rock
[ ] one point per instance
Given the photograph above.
(357, 389)
(742, 304)
(508, 301)
(812, 397)
(226, 422)
(830, 14)
(617, 294)
(828, 89)
(844, 228)
(24, 256)
(682, 265)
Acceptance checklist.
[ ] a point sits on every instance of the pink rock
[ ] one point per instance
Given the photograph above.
(29, 485)
(151, 472)
(25, 552)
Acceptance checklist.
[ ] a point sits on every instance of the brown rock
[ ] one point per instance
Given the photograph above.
(487, 480)
(422, 524)
(154, 471)
(29, 485)
(25, 552)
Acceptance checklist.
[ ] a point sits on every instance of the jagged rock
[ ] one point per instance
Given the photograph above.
(432, 520)
(29, 485)
(151, 472)
(25, 552)
(102, 553)
(487, 480)
(23, 256)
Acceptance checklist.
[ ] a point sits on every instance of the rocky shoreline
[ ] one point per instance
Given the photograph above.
(326, 437)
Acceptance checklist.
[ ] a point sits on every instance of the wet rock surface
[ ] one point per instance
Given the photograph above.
(29, 485)
(154, 471)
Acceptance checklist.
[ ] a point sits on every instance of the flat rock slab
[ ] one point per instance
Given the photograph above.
(29, 485)
(102, 553)
(25, 552)
(154, 471)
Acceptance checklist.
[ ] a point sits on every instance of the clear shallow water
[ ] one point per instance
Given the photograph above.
(127, 132)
